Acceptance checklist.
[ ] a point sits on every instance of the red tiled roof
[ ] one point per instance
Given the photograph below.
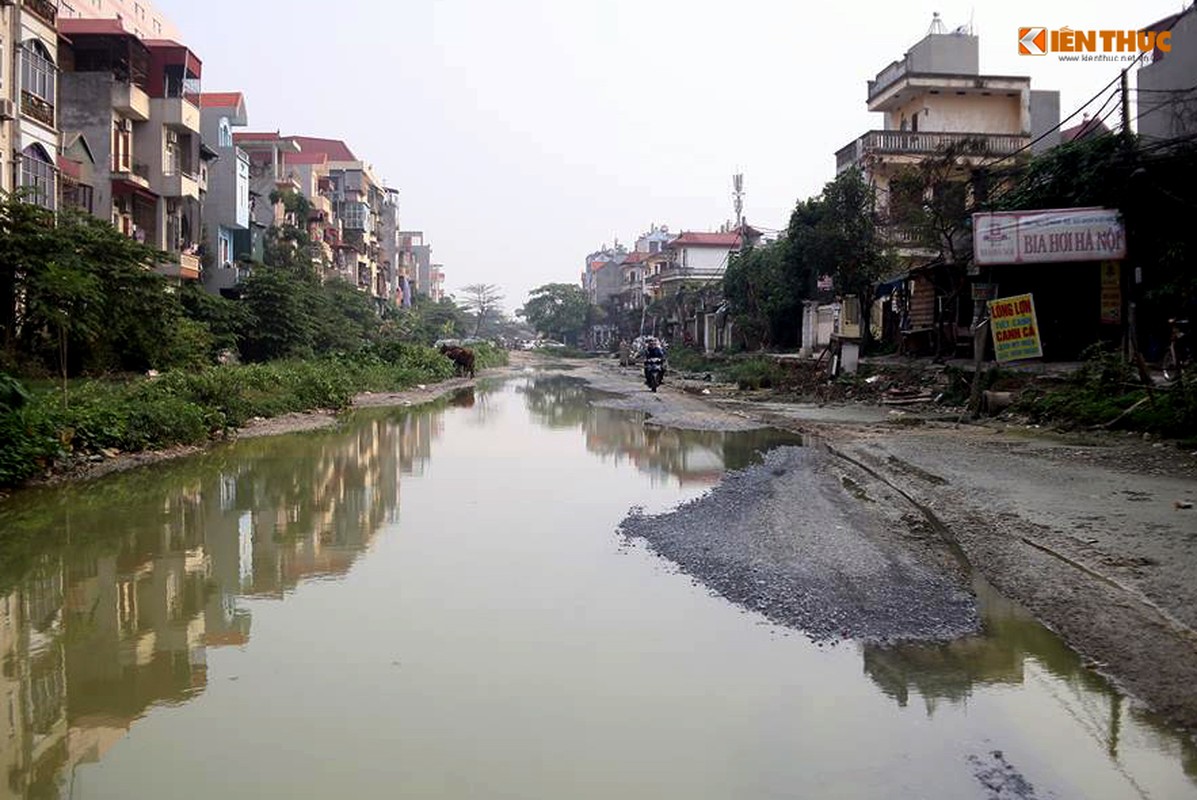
(75, 26)
(635, 257)
(265, 136)
(335, 149)
(706, 240)
(221, 99)
(305, 158)
(1090, 127)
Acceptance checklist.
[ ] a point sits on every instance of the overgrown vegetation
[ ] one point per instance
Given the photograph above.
(1106, 393)
(190, 407)
(78, 301)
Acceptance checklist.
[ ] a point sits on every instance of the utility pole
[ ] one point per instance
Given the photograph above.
(1126, 117)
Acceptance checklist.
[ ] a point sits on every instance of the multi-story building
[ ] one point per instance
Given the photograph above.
(226, 203)
(139, 17)
(436, 289)
(389, 242)
(698, 256)
(934, 99)
(136, 104)
(416, 261)
(269, 178)
(29, 138)
(358, 197)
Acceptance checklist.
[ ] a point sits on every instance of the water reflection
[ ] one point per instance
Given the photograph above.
(104, 615)
(1012, 651)
(689, 456)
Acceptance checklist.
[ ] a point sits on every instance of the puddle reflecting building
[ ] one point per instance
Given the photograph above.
(94, 635)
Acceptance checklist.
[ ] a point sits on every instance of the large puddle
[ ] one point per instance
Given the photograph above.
(435, 604)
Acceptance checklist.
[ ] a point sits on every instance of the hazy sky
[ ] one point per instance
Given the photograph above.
(524, 134)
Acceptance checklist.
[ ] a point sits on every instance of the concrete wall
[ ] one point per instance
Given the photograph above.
(970, 113)
(703, 260)
(1045, 115)
(85, 106)
(954, 54)
(1165, 109)
(148, 23)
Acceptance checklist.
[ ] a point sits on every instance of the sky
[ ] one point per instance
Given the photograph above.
(523, 135)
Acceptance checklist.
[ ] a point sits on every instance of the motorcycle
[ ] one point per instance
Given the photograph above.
(1178, 354)
(654, 372)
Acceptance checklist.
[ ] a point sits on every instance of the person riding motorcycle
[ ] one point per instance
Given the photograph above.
(653, 349)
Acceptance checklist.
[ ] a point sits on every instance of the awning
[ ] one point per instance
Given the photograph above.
(120, 187)
(69, 168)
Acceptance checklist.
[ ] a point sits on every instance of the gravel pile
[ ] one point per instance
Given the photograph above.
(785, 539)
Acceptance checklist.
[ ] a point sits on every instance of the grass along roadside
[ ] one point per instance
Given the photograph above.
(183, 407)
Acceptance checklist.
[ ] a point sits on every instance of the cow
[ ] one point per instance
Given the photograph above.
(462, 358)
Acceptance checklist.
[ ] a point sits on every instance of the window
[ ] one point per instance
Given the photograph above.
(122, 146)
(37, 71)
(157, 26)
(226, 133)
(226, 248)
(139, 10)
(77, 195)
(37, 175)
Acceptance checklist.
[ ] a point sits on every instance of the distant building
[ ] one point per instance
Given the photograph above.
(1085, 129)
(226, 204)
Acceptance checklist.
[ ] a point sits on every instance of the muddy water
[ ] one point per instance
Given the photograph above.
(434, 604)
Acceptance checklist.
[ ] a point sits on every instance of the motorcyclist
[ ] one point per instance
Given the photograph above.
(653, 349)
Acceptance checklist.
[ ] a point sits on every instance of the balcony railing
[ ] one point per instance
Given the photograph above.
(46, 10)
(36, 107)
(929, 143)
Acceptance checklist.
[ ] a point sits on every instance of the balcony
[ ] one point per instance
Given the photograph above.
(129, 100)
(180, 184)
(131, 171)
(176, 112)
(44, 10)
(183, 266)
(36, 108)
(928, 143)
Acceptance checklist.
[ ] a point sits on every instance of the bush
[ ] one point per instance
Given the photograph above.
(754, 373)
(185, 407)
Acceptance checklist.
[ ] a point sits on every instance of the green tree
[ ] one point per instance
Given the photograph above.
(280, 323)
(559, 309)
(764, 304)
(836, 234)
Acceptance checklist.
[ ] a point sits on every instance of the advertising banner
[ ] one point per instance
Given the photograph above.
(1048, 236)
(1015, 328)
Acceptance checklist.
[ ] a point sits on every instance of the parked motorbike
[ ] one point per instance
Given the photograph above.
(1178, 354)
(654, 372)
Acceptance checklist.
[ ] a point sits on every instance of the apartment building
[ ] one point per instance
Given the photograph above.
(415, 258)
(29, 136)
(138, 17)
(226, 204)
(135, 105)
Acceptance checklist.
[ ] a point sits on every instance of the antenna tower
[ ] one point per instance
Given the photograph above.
(738, 198)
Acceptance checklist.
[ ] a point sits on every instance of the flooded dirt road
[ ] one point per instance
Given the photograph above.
(438, 603)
